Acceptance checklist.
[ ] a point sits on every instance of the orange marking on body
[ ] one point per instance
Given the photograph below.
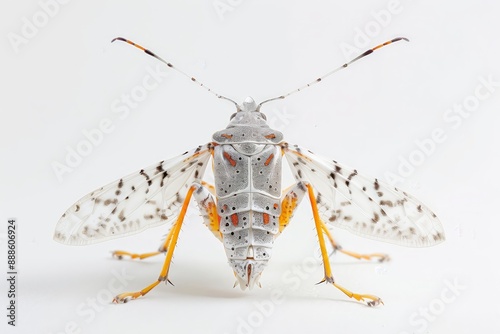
(275, 206)
(230, 159)
(268, 161)
(265, 217)
(270, 136)
(227, 136)
(234, 219)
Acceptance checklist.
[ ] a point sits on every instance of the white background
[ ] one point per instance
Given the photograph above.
(65, 78)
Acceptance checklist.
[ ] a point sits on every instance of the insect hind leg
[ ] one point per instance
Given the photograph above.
(373, 300)
(124, 297)
(380, 257)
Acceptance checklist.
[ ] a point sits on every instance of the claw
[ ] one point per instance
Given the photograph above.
(375, 302)
(384, 258)
(117, 300)
(117, 256)
(334, 250)
(359, 297)
(322, 281)
(123, 298)
(327, 280)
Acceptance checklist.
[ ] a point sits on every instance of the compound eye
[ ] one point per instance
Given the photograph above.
(262, 115)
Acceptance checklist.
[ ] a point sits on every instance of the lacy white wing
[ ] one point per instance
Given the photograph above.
(151, 197)
(363, 205)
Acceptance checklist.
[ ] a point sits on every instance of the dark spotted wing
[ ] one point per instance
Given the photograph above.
(363, 205)
(147, 198)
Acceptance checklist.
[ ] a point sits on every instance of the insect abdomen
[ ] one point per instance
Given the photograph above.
(248, 202)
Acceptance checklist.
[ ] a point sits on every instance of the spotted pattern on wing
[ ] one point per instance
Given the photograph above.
(362, 205)
(150, 197)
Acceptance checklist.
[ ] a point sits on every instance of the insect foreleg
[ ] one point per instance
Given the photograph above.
(324, 253)
(337, 248)
(124, 297)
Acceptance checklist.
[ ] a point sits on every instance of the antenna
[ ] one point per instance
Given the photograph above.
(150, 53)
(366, 53)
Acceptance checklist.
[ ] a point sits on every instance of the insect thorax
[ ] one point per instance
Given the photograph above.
(247, 170)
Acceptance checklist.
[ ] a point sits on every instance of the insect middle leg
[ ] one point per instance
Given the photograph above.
(124, 297)
(119, 254)
(291, 199)
(374, 300)
(336, 247)
(204, 195)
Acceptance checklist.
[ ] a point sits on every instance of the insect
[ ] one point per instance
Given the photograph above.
(247, 207)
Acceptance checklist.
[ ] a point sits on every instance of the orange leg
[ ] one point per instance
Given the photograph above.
(209, 212)
(124, 297)
(291, 199)
(119, 254)
(374, 300)
(336, 247)
(205, 197)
